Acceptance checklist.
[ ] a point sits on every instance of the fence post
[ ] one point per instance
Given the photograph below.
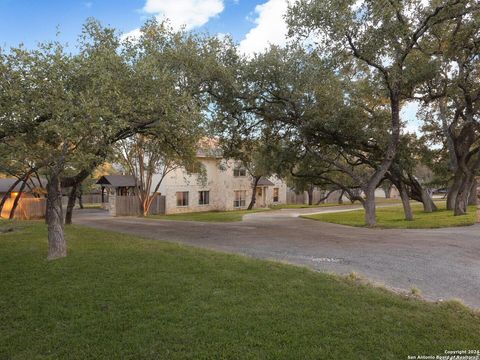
(112, 204)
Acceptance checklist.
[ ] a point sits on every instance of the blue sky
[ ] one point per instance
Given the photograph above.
(30, 21)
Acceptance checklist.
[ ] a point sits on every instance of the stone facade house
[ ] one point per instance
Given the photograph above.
(221, 185)
(225, 185)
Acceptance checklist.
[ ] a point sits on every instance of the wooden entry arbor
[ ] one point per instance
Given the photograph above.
(122, 196)
(119, 185)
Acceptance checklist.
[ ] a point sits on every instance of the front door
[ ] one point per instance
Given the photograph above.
(260, 197)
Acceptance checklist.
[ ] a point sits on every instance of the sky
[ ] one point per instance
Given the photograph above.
(252, 23)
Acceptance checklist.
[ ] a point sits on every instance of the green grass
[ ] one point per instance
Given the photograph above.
(120, 297)
(305, 206)
(393, 217)
(92, 206)
(302, 206)
(208, 216)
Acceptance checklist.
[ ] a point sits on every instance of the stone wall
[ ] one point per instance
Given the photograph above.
(219, 181)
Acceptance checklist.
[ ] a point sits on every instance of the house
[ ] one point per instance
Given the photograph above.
(226, 186)
(223, 185)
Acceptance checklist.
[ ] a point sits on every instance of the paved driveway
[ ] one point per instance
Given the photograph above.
(442, 263)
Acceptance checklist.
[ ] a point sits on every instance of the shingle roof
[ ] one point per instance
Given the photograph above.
(117, 181)
(265, 182)
(6, 183)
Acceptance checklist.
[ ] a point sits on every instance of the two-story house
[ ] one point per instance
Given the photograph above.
(225, 185)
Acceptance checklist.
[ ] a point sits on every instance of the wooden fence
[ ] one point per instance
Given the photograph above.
(86, 199)
(130, 206)
(294, 198)
(93, 198)
(302, 198)
(27, 208)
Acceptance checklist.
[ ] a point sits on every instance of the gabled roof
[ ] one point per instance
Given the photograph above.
(265, 182)
(6, 183)
(117, 181)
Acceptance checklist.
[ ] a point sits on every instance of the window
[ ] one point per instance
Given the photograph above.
(275, 194)
(203, 197)
(182, 198)
(194, 168)
(239, 170)
(240, 196)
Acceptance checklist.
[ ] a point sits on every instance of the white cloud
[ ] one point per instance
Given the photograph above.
(270, 27)
(133, 35)
(188, 13)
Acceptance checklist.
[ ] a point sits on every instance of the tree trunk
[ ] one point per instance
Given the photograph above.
(419, 193)
(143, 205)
(17, 199)
(453, 190)
(387, 190)
(57, 247)
(324, 197)
(461, 200)
(340, 199)
(472, 198)
(310, 195)
(72, 197)
(146, 203)
(467, 186)
(391, 150)
(80, 201)
(431, 205)
(388, 193)
(369, 206)
(405, 200)
(461, 204)
(428, 204)
(256, 179)
(453, 165)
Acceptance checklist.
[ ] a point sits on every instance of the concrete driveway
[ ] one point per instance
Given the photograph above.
(442, 263)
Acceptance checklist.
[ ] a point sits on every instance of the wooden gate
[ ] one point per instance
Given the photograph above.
(130, 205)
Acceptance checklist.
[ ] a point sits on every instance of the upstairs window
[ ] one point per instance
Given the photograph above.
(182, 198)
(194, 168)
(203, 197)
(239, 171)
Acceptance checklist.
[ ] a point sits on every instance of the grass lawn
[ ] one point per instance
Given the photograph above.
(209, 216)
(120, 297)
(92, 206)
(302, 206)
(393, 217)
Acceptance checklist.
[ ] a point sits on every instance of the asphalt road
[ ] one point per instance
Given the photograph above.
(443, 263)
